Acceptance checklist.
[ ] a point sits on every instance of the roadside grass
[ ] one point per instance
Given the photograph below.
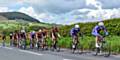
(87, 42)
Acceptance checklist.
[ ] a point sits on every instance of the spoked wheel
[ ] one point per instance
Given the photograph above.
(55, 47)
(107, 51)
(58, 48)
(73, 48)
(97, 51)
(103, 51)
(38, 45)
(23, 44)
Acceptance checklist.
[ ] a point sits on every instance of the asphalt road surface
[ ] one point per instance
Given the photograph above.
(11, 53)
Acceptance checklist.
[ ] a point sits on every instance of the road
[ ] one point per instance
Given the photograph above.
(11, 53)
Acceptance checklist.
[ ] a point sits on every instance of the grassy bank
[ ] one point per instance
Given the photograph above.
(86, 42)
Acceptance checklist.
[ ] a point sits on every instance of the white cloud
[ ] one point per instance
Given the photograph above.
(3, 9)
(42, 17)
(30, 11)
(95, 3)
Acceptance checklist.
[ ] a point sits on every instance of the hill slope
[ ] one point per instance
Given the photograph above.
(17, 16)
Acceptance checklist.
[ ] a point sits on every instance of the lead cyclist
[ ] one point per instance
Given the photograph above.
(99, 37)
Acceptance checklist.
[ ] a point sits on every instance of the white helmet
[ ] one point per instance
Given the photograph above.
(101, 24)
(40, 30)
(76, 26)
(23, 31)
(33, 31)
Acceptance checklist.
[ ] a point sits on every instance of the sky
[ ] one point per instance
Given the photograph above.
(64, 11)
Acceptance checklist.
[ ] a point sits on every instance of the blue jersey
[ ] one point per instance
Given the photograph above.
(74, 31)
(32, 35)
(96, 30)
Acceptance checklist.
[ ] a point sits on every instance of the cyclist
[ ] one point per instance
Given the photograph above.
(11, 38)
(54, 34)
(97, 33)
(19, 38)
(23, 39)
(3, 39)
(39, 37)
(45, 35)
(15, 38)
(32, 39)
(74, 34)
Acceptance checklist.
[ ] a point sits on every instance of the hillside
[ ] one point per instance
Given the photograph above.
(17, 16)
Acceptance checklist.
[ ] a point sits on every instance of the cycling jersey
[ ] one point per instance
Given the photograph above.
(97, 29)
(74, 31)
(54, 32)
(32, 35)
(44, 33)
(23, 35)
(3, 37)
(39, 35)
(15, 36)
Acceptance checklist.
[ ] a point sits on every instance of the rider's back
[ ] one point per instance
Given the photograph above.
(73, 31)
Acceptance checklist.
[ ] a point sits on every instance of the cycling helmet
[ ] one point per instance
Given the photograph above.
(101, 24)
(33, 31)
(76, 26)
(23, 31)
(40, 30)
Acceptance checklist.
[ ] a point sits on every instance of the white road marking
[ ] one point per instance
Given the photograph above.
(67, 59)
(30, 52)
(8, 48)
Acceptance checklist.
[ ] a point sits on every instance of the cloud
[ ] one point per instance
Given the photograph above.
(95, 3)
(30, 11)
(5, 9)
(64, 11)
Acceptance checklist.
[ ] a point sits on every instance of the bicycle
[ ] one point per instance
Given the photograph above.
(76, 45)
(55, 46)
(23, 44)
(105, 49)
(39, 44)
(32, 43)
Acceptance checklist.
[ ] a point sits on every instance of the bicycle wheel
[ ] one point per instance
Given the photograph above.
(23, 44)
(107, 50)
(73, 48)
(80, 48)
(58, 48)
(97, 51)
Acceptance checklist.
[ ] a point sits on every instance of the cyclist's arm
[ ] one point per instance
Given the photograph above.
(105, 30)
(29, 36)
(53, 35)
(36, 37)
(95, 32)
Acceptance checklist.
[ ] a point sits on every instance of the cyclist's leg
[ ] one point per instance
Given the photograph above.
(24, 41)
(31, 43)
(74, 42)
(39, 43)
(10, 42)
(46, 44)
(97, 44)
(3, 42)
(42, 43)
(18, 43)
